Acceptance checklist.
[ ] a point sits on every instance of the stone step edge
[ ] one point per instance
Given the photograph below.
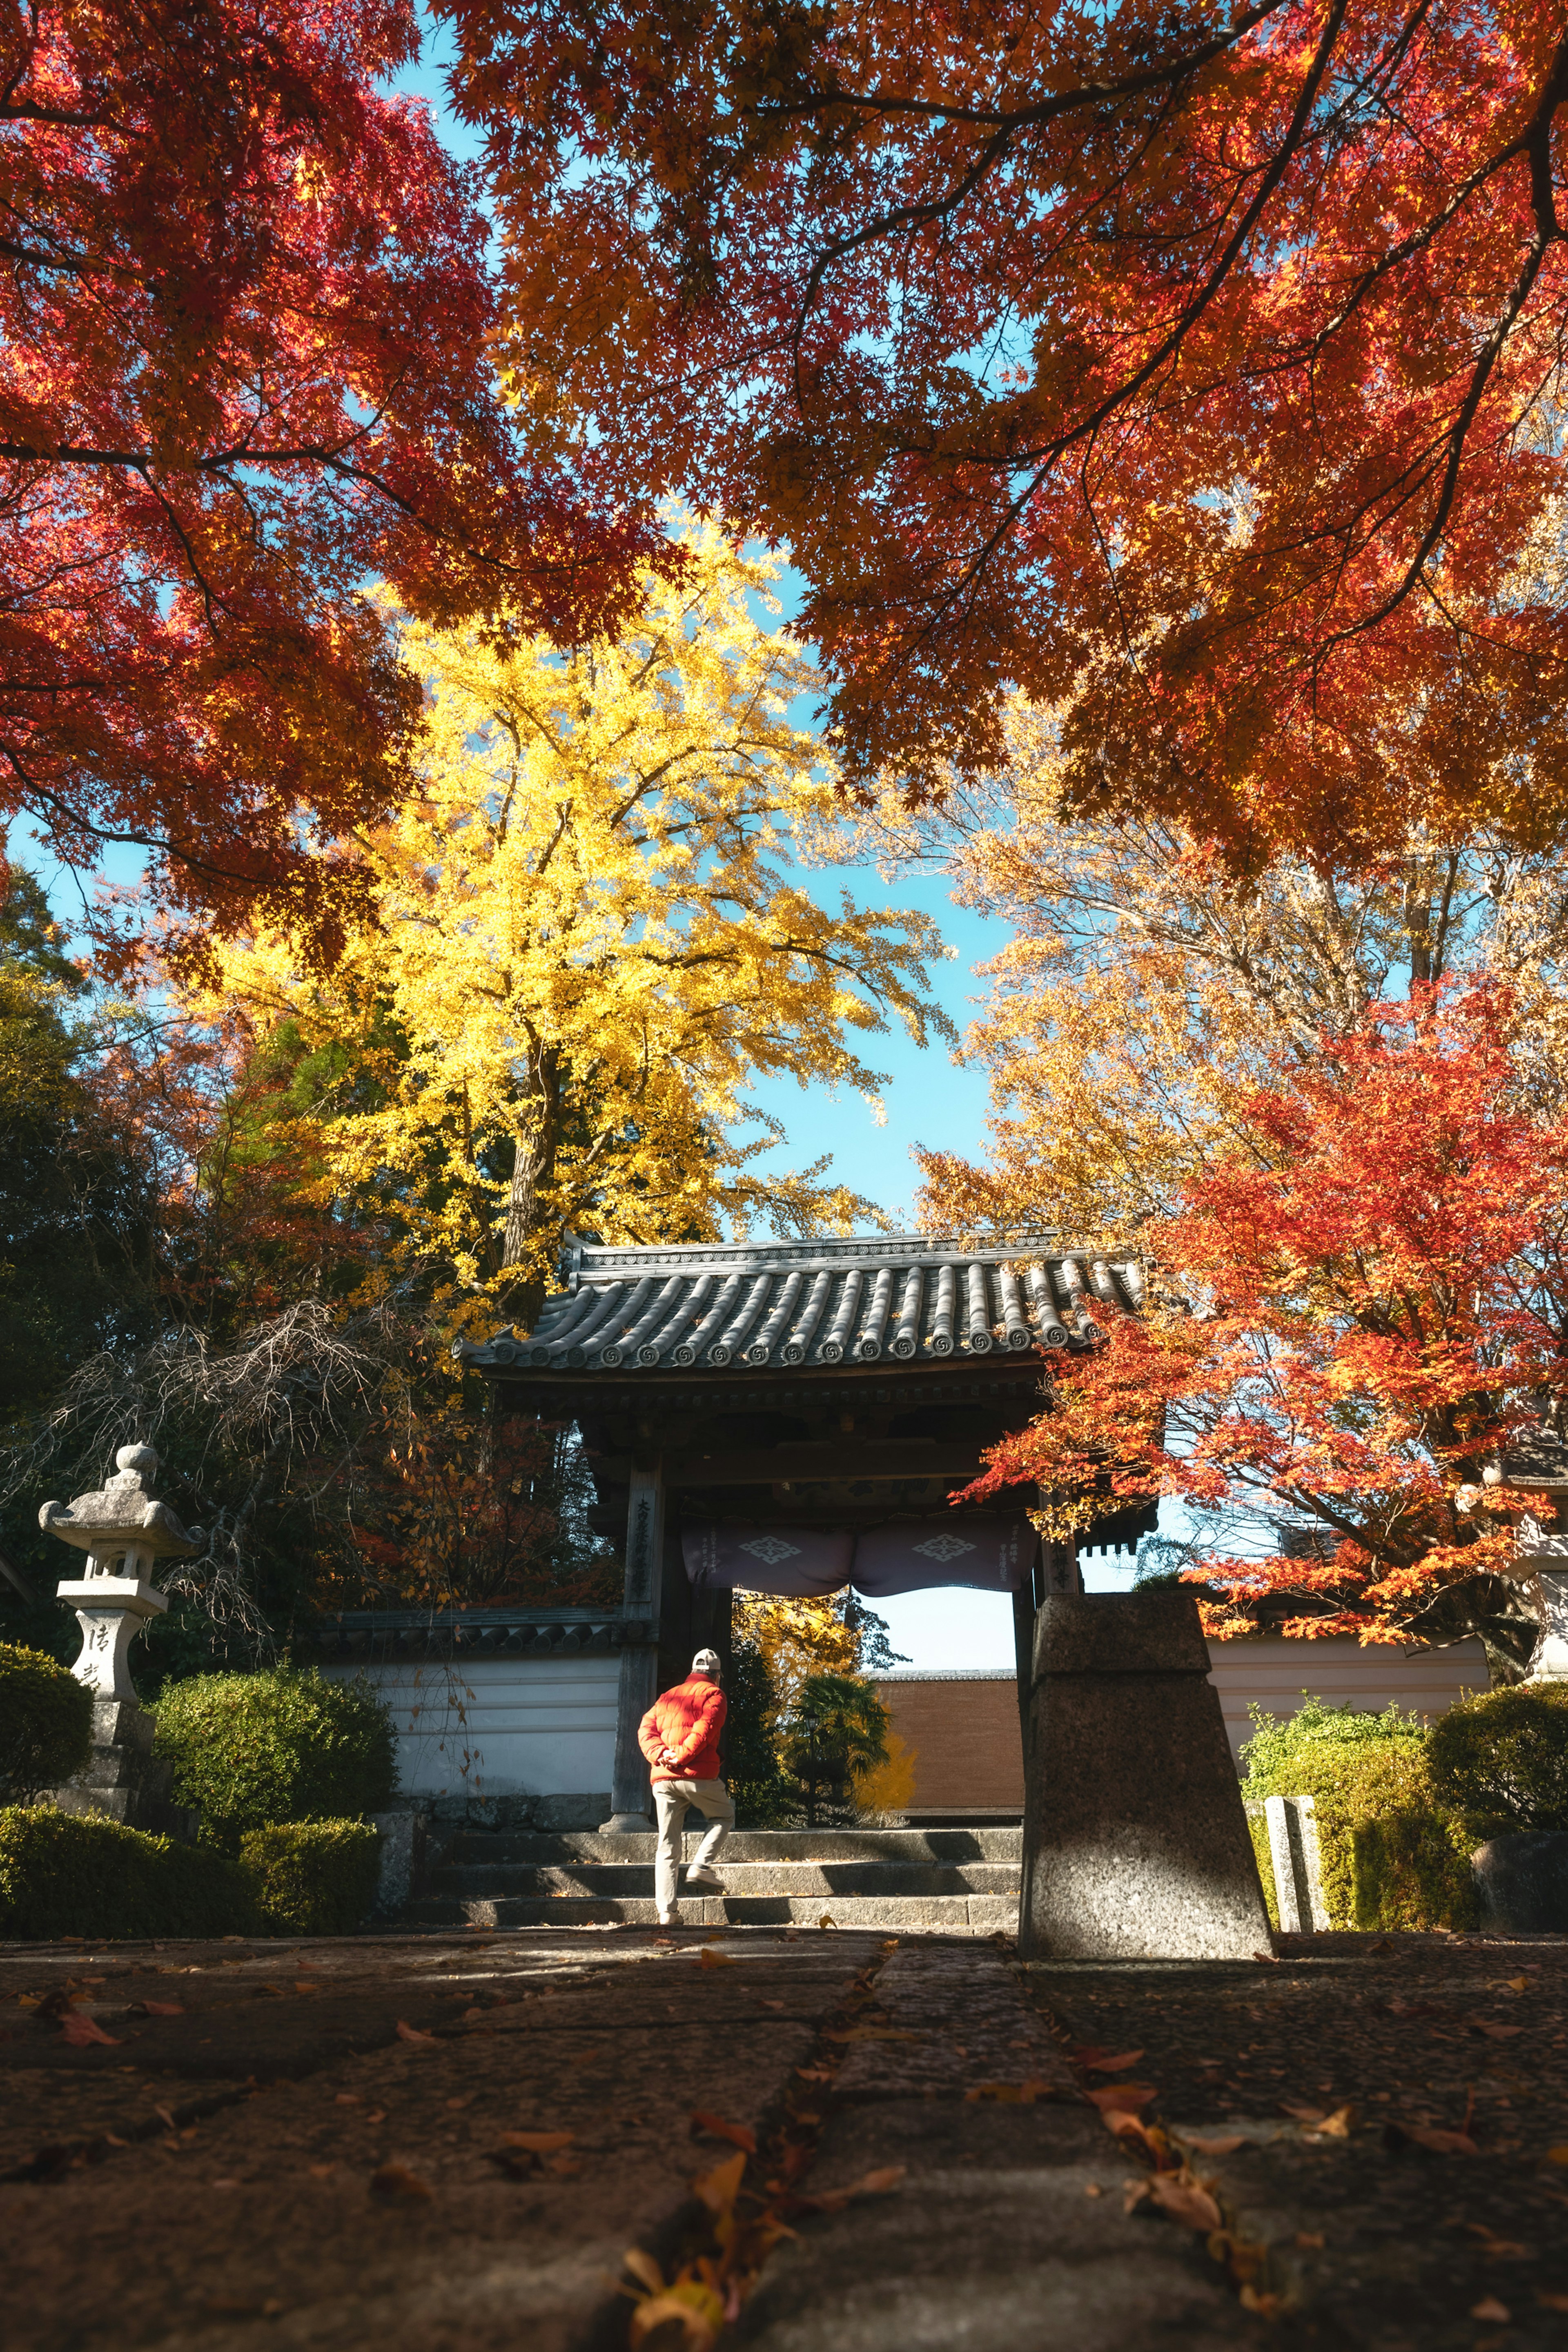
(986, 1913)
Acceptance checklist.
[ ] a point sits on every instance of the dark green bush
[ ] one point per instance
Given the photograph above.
(1410, 1869)
(1501, 1760)
(313, 1878)
(45, 1723)
(1362, 1769)
(79, 1875)
(284, 1745)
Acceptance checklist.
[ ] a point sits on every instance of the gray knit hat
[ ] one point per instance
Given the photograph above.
(706, 1662)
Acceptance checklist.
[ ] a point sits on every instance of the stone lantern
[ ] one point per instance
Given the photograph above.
(124, 1534)
(1537, 1464)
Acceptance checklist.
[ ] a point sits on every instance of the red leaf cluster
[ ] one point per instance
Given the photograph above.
(1184, 366)
(1356, 1318)
(245, 323)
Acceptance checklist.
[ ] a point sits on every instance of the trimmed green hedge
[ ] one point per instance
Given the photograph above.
(81, 1874)
(1501, 1760)
(313, 1878)
(1394, 1852)
(284, 1745)
(45, 1723)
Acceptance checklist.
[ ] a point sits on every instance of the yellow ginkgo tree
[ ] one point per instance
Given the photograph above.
(588, 939)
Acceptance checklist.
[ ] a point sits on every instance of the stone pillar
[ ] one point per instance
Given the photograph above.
(1292, 1824)
(1135, 1838)
(631, 1798)
(1540, 1563)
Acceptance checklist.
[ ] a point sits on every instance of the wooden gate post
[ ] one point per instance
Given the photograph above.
(631, 1795)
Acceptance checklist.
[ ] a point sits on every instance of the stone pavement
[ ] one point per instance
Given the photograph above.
(304, 2145)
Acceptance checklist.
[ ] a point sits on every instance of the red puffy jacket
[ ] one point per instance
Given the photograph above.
(686, 1720)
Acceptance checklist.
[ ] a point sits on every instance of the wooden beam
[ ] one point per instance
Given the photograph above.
(767, 1465)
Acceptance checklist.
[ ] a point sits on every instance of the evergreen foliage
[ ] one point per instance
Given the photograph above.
(79, 1875)
(765, 1798)
(1500, 1760)
(46, 1722)
(835, 1730)
(313, 1878)
(1412, 1870)
(284, 1745)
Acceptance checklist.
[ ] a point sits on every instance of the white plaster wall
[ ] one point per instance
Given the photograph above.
(1278, 1673)
(502, 1727)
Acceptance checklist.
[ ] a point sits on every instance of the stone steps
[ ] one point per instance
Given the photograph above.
(947, 1846)
(954, 1915)
(804, 1878)
(955, 1881)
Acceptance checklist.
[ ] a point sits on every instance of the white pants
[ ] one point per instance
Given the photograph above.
(670, 1799)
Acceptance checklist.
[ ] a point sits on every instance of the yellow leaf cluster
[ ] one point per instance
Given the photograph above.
(587, 943)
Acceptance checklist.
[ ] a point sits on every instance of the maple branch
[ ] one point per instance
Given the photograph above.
(1023, 117)
(1089, 425)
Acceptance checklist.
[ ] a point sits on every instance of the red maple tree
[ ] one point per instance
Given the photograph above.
(1348, 1322)
(245, 374)
(1194, 369)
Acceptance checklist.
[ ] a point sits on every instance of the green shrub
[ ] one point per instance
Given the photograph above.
(313, 1878)
(1360, 1768)
(45, 1723)
(283, 1745)
(1410, 1869)
(1501, 1760)
(80, 1875)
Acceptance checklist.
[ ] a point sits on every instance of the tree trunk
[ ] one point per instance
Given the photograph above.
(532, 1170)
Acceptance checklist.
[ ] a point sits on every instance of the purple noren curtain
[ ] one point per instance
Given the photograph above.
(793, 1561)
(990, 1553)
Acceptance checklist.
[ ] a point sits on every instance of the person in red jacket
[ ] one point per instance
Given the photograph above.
(680, 1737)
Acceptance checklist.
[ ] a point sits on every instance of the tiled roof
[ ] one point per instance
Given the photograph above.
(792, 1305)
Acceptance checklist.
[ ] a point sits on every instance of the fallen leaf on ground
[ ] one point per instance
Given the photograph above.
(643, 2266)
(1489, 2307)
(350, 2099)
(82, 2032)
(1310, 2241)
(1495, 2033)
(825, 2075)
(539, 2143)
(736, 2134)
(1335, 2127)
(1226, 2147)
(698, 2308)
(1184, 2201)
(1429, 2136)
(1556, 2155)
(870, 2184)
(708, 1958)
(321, 2171)
(828, 1920)
(158, 2008)
(1302, 2115)
(164, 2117)
(1268, 2307)
(1123, 2096)
(406, 2032)
(719, 2189)
(1110, 2065)
(770, 2004)
(1553, 2302)
(398, 2186)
